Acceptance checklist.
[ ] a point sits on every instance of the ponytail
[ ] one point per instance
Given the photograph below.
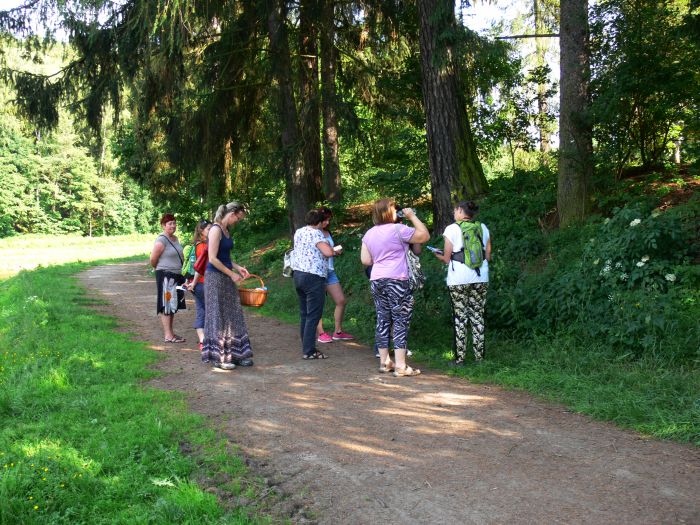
(224, 209)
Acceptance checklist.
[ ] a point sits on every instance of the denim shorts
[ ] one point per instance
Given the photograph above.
(332, 278)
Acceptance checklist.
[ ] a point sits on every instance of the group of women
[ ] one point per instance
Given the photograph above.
(220, 322)
(383, 252)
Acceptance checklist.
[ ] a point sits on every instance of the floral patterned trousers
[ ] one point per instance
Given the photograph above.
(468, 301)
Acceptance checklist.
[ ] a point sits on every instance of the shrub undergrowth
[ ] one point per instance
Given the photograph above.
(601, 316)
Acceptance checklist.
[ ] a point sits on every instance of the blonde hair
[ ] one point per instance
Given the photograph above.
(231, 207)
(382, 211)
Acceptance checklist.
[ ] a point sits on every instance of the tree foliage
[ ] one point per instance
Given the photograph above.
(645, 78)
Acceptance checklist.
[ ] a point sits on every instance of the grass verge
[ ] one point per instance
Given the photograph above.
(81, 440)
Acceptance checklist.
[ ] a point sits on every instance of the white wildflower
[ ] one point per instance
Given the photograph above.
(595, 263)
(670, 277)
(624, 276)
(611, 298)
(640, 264)
(618, 264)
(645, 258)
(635, 222)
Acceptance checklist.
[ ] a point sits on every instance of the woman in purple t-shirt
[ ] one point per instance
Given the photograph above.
(384, 247)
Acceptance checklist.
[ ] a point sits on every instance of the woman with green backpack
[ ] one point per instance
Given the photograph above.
(467, 254)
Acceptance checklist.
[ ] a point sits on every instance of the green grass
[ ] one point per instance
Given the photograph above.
(29, 251)
(82, 440)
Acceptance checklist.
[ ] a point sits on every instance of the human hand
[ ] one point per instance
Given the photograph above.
(337, 249)
(244, 272)
(408, 213)
(236, 278)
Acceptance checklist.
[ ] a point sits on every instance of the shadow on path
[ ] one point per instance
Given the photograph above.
(350, 445)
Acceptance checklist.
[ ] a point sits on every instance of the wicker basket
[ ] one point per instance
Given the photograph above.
(253, 296)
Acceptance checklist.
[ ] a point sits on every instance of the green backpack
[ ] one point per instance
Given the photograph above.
(190, 256)
(472, 254)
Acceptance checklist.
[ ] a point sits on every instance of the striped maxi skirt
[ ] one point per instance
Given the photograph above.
(225, 331)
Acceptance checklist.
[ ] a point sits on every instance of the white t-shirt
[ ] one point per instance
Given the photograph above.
(460, 273)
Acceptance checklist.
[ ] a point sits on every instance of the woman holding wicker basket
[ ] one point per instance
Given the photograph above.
(226, 341)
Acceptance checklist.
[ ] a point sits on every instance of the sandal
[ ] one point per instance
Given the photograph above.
(406, 371)
(389, 367)
(315, 355)
(175, 339)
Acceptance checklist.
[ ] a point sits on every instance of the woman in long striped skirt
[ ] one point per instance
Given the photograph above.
(226, 341)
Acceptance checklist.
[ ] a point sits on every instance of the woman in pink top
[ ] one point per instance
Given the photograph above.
(384, 247)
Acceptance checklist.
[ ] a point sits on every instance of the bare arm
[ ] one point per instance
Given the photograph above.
(421, 234)
(446, 253)
(156, 252)
(365, 256)
(325, 248)
(488, 250)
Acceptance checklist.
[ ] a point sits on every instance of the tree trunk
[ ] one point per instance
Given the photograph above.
(542, 105)
(575, 131)
(329, 62)
(295, 177)
(309, 97)
(451, 149)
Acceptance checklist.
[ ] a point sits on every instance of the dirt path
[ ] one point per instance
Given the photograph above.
(350, 445)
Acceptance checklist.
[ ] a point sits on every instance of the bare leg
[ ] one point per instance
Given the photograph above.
(167, 322)
(400, 357)
(336, 293)
(200, 334)
(384, 358)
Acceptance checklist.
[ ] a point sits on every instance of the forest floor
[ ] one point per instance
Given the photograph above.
(342, 443)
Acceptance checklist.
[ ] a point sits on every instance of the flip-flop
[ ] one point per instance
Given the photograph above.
(176, 339)
(315, 355)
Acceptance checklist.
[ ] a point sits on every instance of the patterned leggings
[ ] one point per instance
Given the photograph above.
(394, 303)
(468, 302)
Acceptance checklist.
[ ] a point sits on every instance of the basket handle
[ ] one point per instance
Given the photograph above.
(251, 275)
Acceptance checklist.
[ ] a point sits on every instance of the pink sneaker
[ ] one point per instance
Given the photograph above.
(325, 338)
(342, 336)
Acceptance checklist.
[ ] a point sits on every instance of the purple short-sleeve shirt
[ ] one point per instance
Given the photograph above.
(387, 244)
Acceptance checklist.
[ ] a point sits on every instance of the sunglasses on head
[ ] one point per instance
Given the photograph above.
(204, 223)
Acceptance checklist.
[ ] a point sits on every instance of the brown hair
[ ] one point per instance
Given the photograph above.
(314, 217)
(166, 218)
(382, 211)
(470, 208)
(201, 225)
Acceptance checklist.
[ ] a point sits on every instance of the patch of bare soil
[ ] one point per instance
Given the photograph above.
(346, 444)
